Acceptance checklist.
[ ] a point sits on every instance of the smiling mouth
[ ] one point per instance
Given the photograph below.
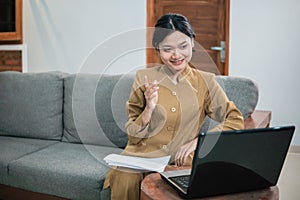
(177, 62)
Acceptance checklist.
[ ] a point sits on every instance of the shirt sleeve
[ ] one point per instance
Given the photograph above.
(219, 108)
(135, 107)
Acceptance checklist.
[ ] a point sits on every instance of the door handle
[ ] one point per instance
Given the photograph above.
(222, 51)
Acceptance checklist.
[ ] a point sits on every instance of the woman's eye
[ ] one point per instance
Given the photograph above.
(167, 49)
(183, 46)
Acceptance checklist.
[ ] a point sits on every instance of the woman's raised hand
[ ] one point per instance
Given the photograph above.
(151, 93)
(151, 96)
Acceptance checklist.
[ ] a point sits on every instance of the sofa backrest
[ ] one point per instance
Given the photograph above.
(94, 106)
(242, 91)
(31, 104)
(86, 108)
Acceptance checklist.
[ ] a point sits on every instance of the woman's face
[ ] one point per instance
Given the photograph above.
(176, 50)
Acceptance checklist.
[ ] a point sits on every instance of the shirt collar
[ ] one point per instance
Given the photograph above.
(183, 74)
(186, 76)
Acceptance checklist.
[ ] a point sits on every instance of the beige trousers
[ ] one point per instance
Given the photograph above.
(124, 184)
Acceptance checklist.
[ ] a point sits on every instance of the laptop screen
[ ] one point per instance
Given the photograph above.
(240, 160)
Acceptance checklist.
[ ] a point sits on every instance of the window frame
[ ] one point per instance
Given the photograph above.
(15, 36)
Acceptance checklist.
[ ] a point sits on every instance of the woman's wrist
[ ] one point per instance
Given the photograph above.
(146, 116)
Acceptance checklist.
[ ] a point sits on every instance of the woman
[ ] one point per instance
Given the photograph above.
(167, 106)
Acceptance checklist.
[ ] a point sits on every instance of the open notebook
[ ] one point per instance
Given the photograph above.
(139, 163)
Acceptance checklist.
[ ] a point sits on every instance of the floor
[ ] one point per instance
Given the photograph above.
(289, 180)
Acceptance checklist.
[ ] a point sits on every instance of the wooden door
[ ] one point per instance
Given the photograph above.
(210, 21)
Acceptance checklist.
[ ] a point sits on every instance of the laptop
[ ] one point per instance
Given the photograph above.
(233, 161)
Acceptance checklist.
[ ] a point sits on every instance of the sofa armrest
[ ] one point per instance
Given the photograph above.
(258, 119)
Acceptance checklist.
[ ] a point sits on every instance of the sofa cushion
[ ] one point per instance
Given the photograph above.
(13, 148)
(72, 171)
(31, 104)
(94, 109)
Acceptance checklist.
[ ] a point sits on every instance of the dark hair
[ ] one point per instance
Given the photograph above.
(170, 23)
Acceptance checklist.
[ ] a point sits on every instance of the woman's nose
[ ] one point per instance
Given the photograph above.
(176, 53)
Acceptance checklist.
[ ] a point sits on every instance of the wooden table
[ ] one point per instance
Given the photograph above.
(258, 119)
(155, 188)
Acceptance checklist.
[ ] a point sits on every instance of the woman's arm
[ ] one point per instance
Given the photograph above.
(140, 106)
(219, 108)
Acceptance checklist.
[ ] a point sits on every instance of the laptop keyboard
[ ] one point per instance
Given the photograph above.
(182, 181)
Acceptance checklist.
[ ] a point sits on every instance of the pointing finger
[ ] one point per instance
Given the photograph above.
(146, 81)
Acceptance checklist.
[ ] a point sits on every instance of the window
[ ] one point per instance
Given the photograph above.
(10, 21)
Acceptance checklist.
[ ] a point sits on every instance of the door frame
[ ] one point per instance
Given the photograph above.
(150, 22)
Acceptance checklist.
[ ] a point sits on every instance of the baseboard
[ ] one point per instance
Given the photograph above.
(294, 149)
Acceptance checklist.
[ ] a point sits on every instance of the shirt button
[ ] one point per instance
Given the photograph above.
(164, 146)
(173, 93)
(173, 109)
(169, 128)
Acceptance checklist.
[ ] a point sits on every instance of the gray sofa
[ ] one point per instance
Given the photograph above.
(56, 128)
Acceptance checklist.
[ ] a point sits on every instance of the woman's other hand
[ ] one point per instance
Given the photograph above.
(184, 152)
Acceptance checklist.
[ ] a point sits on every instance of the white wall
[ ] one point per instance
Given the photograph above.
(61, 35)
(264, 45)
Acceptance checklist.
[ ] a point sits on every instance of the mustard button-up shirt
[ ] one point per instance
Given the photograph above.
(180, 111)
